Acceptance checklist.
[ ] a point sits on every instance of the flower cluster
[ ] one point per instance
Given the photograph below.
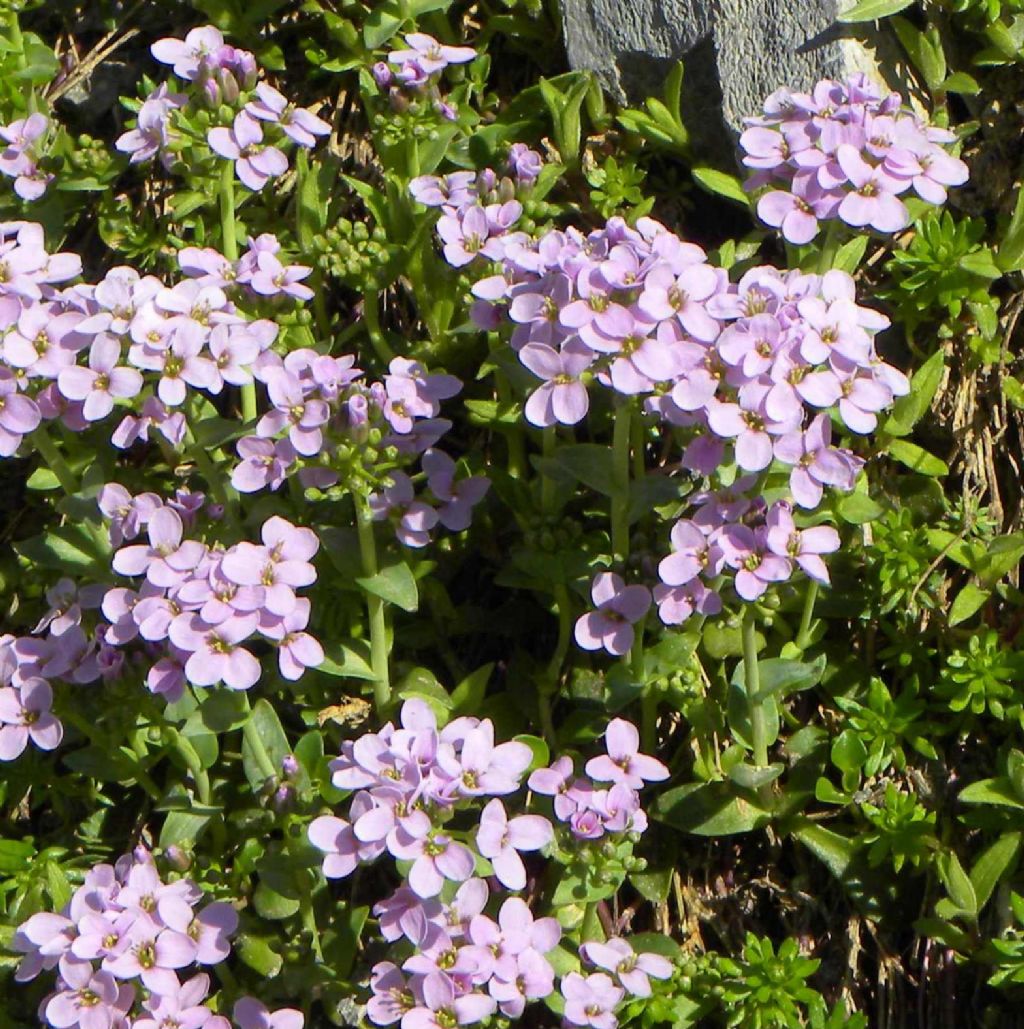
(323, 415)
(202, 602)
(215, 75)
(19, 159)
(409, 781)
(78, 353)
(748, 375)
(844, 151)
(416, 70)
(120, 945)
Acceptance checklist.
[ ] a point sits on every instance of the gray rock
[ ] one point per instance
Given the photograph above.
(735, 53)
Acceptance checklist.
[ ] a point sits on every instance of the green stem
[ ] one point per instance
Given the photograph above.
(379, 658)
(55, 460)
(827, 257)
(752, 681)
(371, 315)
(547, 484)
(514, 435)
(808, 614)
(259, 751)
(549, 684)
(228, 229)
(209, 470)
(620, 482)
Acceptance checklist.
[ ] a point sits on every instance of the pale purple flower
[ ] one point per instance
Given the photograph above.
(215, 651)
(440, 1007)
(300, 125)
(816, 463)
(802, 546)
(873, 201)
(619, 608)
(563, 398)
(624, 763)
(756, 568)
(255, 163)
(188, 56)
(296, 650)
(168, 559)
(591, 1000)
(265, 464)
(457, 497)
(88, 998)
(429, 54)
(19, 415)
(693, 554)
(677, 603)
(632, 970)
(102, 382)
(435, 856)
(334, 836)
(271, 277)
(500, 839)
(249, 1013)
(25, 715)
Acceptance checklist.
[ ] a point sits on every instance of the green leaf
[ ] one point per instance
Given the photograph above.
(848, 752)
(273, 905)
(396, 584)
(381, 24)
(958, 884)
(655, 943)
(709, 809)
(224, 709)
(850, 254)
(270, 733)
(962, 83)
(720, 184)
(73, 547)
(467, 697)
(998, 792)
(1003, 556)
(57, 885)
(925, 51)
(589, 463)
(917, 458)
(348, 660)
(541, 754)
(858, 508)
(15, 856)
(751, 777)
(834, 851)
(653, 885)
(1010, 256)
(182, 827)
(993, 864)
(258, 955)
(909, 410)
(871, 10)
(967, 603)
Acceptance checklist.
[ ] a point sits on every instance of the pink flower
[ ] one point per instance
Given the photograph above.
(623, 762)
(300, 125)
(168, 559)
(255, 164)
(591, 1000)
(619, 607)
(441, 1008)
(102, 382)
(216, 655)
(429, 54)
(632, 970)
(24, 715)
(500, 838)
(249, 1013)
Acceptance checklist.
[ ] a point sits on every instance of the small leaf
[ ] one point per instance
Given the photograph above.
(258, 955)
(998, 792)
(908, 410)
(720, 183)
(967, 603)
(848, 752)
(1010, 256)
(917, 458)
(992, 865)
(958, 884)
(859, 508)
(653, 885)
(270, 733)
(469, 694)
(709, 809)
(396, 584)
(834, 851)
(588, 463)
(871, 10)
(348, 660)
(273, 905)
(15, 856)
(850, 254)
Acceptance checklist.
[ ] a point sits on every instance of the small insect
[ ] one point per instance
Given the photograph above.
(352, 712)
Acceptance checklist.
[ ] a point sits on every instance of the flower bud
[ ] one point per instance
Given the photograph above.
(212, 93)
(177, 858)
(382, 75)
(228, 85)
(290, 765)
(284, 799)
